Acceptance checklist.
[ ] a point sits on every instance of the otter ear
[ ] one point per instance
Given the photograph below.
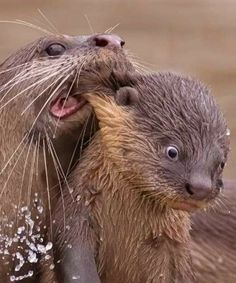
(123, 83)
(126, 96)
(120, 78)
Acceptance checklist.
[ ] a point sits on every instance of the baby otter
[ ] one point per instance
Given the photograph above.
(138, 181)
(43, 120)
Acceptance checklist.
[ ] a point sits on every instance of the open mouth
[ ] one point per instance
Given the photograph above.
(66, 105)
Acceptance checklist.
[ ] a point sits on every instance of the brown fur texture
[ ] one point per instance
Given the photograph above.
(36, 149)
(122, 211)
(213, 240)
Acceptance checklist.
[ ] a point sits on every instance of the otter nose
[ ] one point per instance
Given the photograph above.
(199, 187)
(108, 40)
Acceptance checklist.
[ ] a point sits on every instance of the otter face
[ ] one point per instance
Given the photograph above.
(42, 83)
(188, 138)
(172, 142)
(43, 121)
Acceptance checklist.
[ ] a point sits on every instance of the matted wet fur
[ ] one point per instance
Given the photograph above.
(128, 220)
(213, 240)
(43, 123)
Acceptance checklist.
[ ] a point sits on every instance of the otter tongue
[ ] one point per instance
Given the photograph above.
(63, 108)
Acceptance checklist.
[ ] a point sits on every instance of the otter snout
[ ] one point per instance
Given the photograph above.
(109, 40)
(199, 187)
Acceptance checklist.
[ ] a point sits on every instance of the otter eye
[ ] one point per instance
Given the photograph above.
(172, 152)
(222, 165)
(55, 49)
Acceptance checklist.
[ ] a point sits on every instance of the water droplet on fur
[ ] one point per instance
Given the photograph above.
(6, 252)
(21, 261)
(47, 257)
(32, 258)
(20, 230)
(40, 209)
(41, 249)
(49, 246)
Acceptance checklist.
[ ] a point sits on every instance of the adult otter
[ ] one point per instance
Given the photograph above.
(138, 180)
(42, 118)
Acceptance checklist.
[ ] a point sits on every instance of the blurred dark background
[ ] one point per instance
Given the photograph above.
(196, 37)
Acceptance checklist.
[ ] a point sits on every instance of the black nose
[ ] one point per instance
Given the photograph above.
(199, 187)
(109, 40)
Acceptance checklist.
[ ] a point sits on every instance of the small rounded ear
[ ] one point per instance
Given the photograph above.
(126, 96)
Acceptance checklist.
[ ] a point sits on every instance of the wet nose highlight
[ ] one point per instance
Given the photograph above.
(109, 40)
(199, 189)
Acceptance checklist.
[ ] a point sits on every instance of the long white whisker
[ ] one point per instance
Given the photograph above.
(68, 93)
(40, 94)
(36, 71)
(60, 167)
(11, 83)
(28, 88)
(49, 98)
(83, 134)
(73, 155)
(22, 75)
(79, 142)
(89, 24)
(26, 135)
(31, 175)
(9, 175)
(38, 151)
(31, 25)
(19, 22)
(23, 174)
(49, 22)
(11, 157)
(47, 185)
(58, 177)
(16, 67)
(112, 28)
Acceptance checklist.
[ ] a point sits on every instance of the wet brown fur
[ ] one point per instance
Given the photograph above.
(131, 229)
(213, 240)
(32, 177)
(119, 252)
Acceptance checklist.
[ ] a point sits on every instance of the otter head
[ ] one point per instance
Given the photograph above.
(168, 137)
(41, 85)
(43, 118)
